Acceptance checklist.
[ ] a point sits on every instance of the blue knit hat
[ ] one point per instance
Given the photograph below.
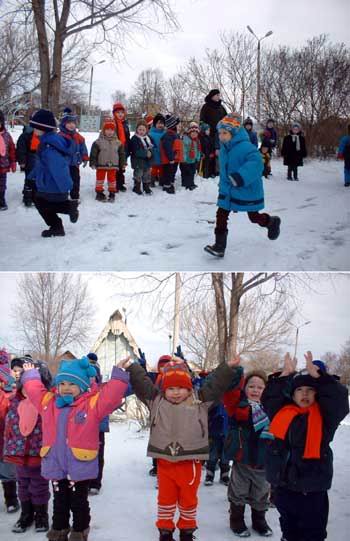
(78, 371)
(93, 357)
(231, 123)
(68, 116)
(43, 120)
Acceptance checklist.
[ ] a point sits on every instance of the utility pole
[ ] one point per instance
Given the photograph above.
(176, 332)
(258, 92)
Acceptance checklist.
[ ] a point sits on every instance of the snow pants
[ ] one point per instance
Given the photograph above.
(3, 182)
(48, 210)
(97, 483)
(248, 486)
(346, 176)
(32, 486)
(303, 517)
(188, 171)
(70, 497)
(222, 217)
(178, 484)
(111, 180)
(169, 172)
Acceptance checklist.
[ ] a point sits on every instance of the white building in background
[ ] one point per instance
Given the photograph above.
(114, 343)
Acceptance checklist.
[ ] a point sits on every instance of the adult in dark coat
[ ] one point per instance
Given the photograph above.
(294, 150)
(211, 113)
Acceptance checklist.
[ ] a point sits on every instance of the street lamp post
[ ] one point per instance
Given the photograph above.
(258, 70)
(297, 327)
(91, 77)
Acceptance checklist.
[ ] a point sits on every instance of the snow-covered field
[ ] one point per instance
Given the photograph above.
(125, 509)
(165, 232)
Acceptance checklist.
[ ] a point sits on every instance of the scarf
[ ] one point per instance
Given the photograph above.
(260, 420)
(192, 150)
(281, 421)
(34, 143)
(145, 140)
(28, 417)
(120, 130)
(66, 400)
(2, 145)
(296, 140)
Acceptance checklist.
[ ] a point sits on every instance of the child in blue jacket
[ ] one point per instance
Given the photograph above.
(51, 174)
(240, 187)
(192, 156)
(344, 154)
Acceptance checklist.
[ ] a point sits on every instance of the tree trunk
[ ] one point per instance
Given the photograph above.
(55, 82)
(236, 294)
(44, 54)
(218, 285)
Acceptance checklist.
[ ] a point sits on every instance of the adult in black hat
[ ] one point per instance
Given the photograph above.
(211, 113)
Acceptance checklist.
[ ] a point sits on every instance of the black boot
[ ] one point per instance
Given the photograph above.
(54, 231)
(26, 518)
(209, 478)
(10, 495)
(100, 196)
(273, 227)
(73, 211)
(27, 196)
(259, 523)
(147, 189)
(218, 249)
(111, 197)
(58, 535)
(137, 188)
(169, 188)
(187, 535)
(3, 205)
(41, 518)
(166, 535)
(237, 524)
(225, 474)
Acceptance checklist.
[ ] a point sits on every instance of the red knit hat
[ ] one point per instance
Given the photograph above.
(162, 361)
(149, 120)
(118, 106)
(176, 374)
(108, 124)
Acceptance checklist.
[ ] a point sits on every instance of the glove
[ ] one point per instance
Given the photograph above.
(142, 359)
(85, 164)
(236, 180)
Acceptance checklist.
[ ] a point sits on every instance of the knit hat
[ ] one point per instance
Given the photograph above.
(68, 116)
(108, 124)
(4, 357)
(248, 120)
(141, 122)
(118, 106)
(231, 123)
(302, 380)
(157, 118)
(78, 371)
(92, 357)
(204, 127)
(149, 120)
(320, 365)
(296, 125)
(44, 120)
(176, 374)
(255, 373)
(193, 127)
(270, 120)
(171, 121)
(162, 361)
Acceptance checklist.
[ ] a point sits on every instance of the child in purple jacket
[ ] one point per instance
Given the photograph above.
(71, 416)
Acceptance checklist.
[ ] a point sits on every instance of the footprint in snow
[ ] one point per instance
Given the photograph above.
(170, 246)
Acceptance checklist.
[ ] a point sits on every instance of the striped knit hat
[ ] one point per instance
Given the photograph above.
(5, 374)
(231, 123)
(193, 127)
(171, 121)
(176, 374)
(4, 357)
(43, 120)
(78, 371)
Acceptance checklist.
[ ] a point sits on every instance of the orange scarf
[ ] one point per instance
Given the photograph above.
(120, 130)
(35, 142)
(281, 421)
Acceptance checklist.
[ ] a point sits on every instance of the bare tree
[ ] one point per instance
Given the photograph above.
(148, 95)
(54, 311)
(120, 95)
(339, 363)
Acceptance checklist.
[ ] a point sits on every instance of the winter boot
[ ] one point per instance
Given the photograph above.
(27, 196)
(187, 535)
(41, 518)
(94, 491)
(147, 189)
(209, 478)
(10, 495)
(54, 232)
(218, 249)
(166, 535)
(100, 196)
(259, 523)
(237, 524)
(225, 475)
(273, 227)
(3, 205)
(79, 536)
(111, 197)
(58, 535)
(122, 188)
(73, 210)
(153, 471)
(169, 188)
(137, 188)
(26, 518)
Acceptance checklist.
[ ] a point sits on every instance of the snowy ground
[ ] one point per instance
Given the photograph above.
(125, 509)
(165, 232)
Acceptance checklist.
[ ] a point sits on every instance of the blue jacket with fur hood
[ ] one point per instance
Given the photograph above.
(241, 167)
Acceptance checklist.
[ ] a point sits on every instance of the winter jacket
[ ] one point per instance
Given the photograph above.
(127, 136)
(80, 152)
(107, 153)
(156, 134)
(19, 449)
(269, 136)
(240, 186)
(138, 152)
(71, 434)
(51, 170)
(8, 160)
(171, 147)
(211, 113)
(253, 137)
(25, 154)
(344, 150)
(191, 149)
(285, 465)
(180, 431)
(292, 156)
(4, 406)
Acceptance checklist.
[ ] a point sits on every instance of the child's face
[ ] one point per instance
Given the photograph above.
(120, 114)
(248, 127)
(224, 135)
(264, 150)
(254, 388)
(67, 388)
(141, 130)
(109, 132)
(16, 372)
(160, 125)
(270, 124)
(304, 396)
(194, 135)
(295, 129)
(176, 395)
(71, 126)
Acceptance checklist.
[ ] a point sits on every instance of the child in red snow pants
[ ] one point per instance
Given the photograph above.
(178, 484)
(111, 179)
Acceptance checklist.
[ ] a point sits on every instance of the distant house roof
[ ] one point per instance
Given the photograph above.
(117, 326)
(67, 355)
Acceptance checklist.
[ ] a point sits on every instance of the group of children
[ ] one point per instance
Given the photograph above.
(278, 438)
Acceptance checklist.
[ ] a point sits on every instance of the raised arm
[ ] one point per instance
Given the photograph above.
(34, 387)
(142, 384)
(225, 376)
